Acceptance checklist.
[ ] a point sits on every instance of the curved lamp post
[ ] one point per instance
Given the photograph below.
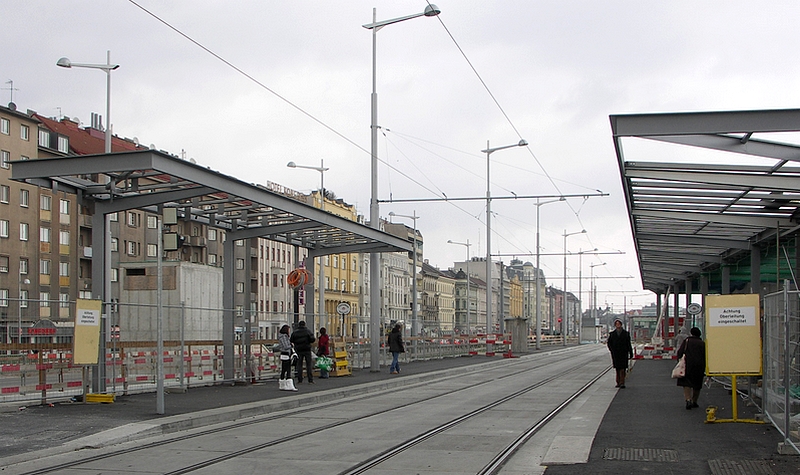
(374, 209)
(539, 204)
(321, 280)
(564, 317)
(467, 245)
(489, 151)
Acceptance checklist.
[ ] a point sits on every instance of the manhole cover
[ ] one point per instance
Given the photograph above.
(740, 467)
(641, 455)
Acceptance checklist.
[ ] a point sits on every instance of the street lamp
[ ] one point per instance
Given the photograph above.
(22, 281)
(467, 245)
(321, 281)
(108, 67)
(489, 151)
(564, 320)
(99, 376)
(593, 291)
(374, 209)
(539, 204)
(576, 327)
(414, 274)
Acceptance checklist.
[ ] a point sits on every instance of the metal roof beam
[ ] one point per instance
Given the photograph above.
(733, 144)
(696, 123)
(694, 241)
(739, 220)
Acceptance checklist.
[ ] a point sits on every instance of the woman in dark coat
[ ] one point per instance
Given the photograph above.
(619, 344)
(694, 349)
(395, 341)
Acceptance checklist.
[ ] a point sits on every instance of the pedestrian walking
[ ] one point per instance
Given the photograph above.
(693, 350)
(619, 344)
(395, 342)
(323, 350)
(285, 382)
(302, 338)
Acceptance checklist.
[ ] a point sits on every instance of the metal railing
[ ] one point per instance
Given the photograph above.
(780, 391)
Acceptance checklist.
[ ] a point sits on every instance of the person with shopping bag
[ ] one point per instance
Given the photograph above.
(693, 351)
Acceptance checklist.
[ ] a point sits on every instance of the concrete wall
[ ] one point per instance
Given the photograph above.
(198, 286)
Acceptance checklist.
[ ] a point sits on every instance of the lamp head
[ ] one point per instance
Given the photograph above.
(64, 63)
(391, 213)
(291, 165)
(523, 143)
(432, 10)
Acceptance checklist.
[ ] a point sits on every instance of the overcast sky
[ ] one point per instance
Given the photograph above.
(548, 72)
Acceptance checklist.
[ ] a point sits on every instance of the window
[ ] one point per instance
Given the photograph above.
(24, 157)
(114, 274)
(63, 300)
(5, 126)
(335, 283)
(195, 230)
(327, 260)
(3, 228)
(63, 269)
(5, 157)
(63, 144)
(327, 282)
(4, 264)
(113, 217)
(274, 280)
(44, 266)
(335, 262)
(4, 194)
(24, 132)
(152, 250)
(152, 222)
(45, 203)
(23, 266)
(212, 259)
(44, 298)
(131, 248)
(212, 234)
(63, 206)
(352, 286)
(240, 263)
(344, 263)
(239, 242)
(133, 219)
(23, 299)
(24, 231)
(114, 244)
(63, 238)
(24, 196)
(44, 234)
(239, 287)
(344, 285)
(274, 305)
(44, 138)
(4, 298)
(239, 310)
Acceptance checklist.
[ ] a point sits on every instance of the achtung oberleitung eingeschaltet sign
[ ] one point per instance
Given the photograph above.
(733, 334)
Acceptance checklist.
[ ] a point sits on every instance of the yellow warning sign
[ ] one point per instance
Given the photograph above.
(733, 334)
(86, 344)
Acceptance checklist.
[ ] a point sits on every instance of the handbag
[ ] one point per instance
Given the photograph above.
(680, 369)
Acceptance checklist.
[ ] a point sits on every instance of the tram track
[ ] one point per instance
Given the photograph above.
(511, 368)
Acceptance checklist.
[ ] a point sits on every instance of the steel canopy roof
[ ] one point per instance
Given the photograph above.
(707, 188)
(146, 179)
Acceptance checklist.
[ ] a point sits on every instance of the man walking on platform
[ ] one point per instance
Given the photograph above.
(619, 344)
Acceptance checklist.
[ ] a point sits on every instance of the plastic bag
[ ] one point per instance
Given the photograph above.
(324, 363)
(680, 369)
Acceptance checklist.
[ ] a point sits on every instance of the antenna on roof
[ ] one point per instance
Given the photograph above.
(12, 89)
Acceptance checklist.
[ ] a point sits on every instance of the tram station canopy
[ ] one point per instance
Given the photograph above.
(704, 188)
(148, 179)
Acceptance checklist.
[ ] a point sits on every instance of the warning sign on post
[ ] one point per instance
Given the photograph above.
(733, 334)
(86, 344)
